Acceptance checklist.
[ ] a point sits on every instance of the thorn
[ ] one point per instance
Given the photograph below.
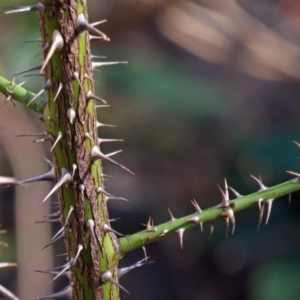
(43, 49)
(90, 224)
(49, 176)
(193, 219)
(269, 203)
(107, 277)
(108, 229)
(196, 205)
(57, 44)
(172, 217)
(81, 188)
(65, 268)
(31, 69)
(90, 96)
(180, 233)
(97, 154)
(297, 144)
(88, 136)
(102, 106)
(59, 137)
(114, 153)
(60, 86)
(297, 175)
(238, 195)
(66, 224)
(261, 185)
(71, 114)
(229, 217)
(66, 292)
(83, 25)
(17, 9)
(64, 178)
(101, 190)
(125, 270)
(7, 180)
(106, 125)
(47, 86)
(115, 198)
(55, 240)
(150, 225)
(33, 41)
(67, 274)
(225, 200)
(164, 232)
(74, 168)
(76, 77)
(96, 65)
(261, 214)
(108, 140)
(48, 138)
(7, 293)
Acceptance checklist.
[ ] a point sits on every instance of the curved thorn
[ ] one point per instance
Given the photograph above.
(67, 267)
(229, 217)
(108, 229)
(31, 69)
(115, 198)
(172, 217)
(261, 185)
(269, 203)
(57, 44)
(97, 154)
(225, 199)
(101, 190)
(238, 195)
(196, 205)
(122, 271)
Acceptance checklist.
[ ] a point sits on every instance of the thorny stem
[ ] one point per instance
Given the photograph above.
(138, 240)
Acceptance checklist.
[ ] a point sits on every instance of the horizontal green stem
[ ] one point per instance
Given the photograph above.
(138, 240)
(20, 94)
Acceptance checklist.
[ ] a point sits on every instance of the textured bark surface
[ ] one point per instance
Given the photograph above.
(74, 61)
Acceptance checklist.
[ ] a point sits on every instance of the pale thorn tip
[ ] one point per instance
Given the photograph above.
(60, 86)
(79, 249)
(114, 153)
(65, 177)
(90, 95)
(74, 168)
(297, 175)
(297, 144)
(47, 86)
(58, 138)
(81, 188)
(171, 215)
(65, 268)
(115, 198)
(96, 65)
(108, 229)
(196, 205)
(259, 181)
(150, 225)
(76, 77)
(238, 195)
(90, 224)
(71, 114)
(57, 44)
(229, 217)
(107, 277)
(97, 154)
(66, 292)
(83, 25)
(17, 9)
(180, 233)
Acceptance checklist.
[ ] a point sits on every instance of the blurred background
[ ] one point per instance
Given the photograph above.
(211, 91)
